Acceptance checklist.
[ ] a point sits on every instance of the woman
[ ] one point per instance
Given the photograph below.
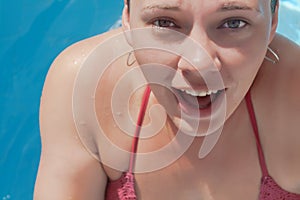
(253, 106)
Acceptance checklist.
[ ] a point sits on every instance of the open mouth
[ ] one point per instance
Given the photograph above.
(192, 101)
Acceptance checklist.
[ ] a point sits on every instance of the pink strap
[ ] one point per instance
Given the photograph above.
(255, 129)
(140, 120)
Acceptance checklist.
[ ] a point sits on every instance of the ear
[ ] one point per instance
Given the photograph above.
(274, 22)
(126, 23)
(125, 17)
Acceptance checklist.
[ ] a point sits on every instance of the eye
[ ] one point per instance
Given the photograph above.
(234, 24)
(164, 23)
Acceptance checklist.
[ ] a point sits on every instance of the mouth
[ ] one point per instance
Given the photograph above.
(195, 101)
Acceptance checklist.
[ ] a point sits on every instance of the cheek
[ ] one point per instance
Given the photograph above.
(241, 68)
(244, 71)
(156, 56)
(158, 66)
(244, 61)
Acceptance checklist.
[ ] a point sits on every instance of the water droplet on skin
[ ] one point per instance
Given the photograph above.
(75, 62)
(119, 114)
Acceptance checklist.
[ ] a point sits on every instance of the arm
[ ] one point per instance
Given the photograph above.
(66, 170)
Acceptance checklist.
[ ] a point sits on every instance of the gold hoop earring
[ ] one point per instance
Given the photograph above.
(274, 60)
(130, 61)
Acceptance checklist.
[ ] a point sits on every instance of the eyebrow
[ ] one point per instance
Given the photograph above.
(162, 7)
(229, 6)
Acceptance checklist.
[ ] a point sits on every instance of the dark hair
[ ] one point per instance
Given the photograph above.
(128, 3)
(273, 5)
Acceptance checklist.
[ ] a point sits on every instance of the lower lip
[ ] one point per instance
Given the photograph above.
(193, 111)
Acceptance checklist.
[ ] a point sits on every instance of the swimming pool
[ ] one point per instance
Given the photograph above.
(34, 33)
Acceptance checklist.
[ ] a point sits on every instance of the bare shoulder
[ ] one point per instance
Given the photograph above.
(290, 106)
(280, 81)
(289, 53)
(287, 72)
(66, 167)
(76, 53)
(56, 112)
(288, 68)
(282, 111)
(59, 83)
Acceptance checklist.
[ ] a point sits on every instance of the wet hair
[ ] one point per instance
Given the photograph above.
(128, 3)
(273, 5)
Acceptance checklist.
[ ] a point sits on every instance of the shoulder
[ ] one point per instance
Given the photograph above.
(65, 157)
(287, 75)
(278, 111)
(75, 54)
(279, 82)
(64, 68)
(57, 99)
(285, 78)
(56, 111)
(62, 73)
(287, 72)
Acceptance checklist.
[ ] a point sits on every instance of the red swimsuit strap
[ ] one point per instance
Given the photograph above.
(139, 123)
(141, 119)
(255, 129)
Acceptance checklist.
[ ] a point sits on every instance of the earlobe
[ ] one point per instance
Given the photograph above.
(126, 24)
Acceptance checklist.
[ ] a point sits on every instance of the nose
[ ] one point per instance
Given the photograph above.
(198, 53)
(198, 60)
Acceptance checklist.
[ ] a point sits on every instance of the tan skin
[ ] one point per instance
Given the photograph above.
(231, 171)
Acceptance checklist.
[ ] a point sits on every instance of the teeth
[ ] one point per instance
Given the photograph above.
(200, 93)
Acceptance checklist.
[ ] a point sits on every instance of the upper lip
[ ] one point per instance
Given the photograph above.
(200, 89)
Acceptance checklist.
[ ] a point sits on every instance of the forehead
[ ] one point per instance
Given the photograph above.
(150, 4)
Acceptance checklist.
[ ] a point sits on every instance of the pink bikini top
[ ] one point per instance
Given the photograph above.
(124, 189)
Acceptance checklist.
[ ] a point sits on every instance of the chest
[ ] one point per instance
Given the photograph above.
(200, 185)
(230, 175)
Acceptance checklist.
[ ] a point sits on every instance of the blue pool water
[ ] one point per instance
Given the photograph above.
(32, 34)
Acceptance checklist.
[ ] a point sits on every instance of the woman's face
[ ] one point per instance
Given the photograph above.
(217, 51)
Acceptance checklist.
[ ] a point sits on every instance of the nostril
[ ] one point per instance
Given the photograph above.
(191, 73)
(193, 77)
(184, 65)
(217, 63)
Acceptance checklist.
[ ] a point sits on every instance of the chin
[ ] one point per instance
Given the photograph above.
(197, 127)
